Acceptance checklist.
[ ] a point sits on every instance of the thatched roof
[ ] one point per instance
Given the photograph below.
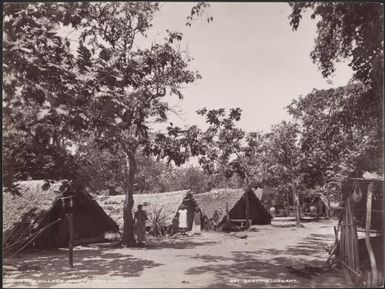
(32, 201)
(169, 202)
(217, 199)
(24, 212)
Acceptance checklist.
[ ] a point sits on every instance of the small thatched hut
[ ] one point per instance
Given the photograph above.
(235, 199)
(39, 206)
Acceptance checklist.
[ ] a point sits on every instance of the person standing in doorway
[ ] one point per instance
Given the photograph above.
(196, 228)
(175, 224)
(183, 220)
(215, 220)
(140, 218)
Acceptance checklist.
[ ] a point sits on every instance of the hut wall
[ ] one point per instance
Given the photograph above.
(257, 213)
(86, 228)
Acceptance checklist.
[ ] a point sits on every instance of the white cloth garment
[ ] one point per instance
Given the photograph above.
(183, 218)
(196, 229)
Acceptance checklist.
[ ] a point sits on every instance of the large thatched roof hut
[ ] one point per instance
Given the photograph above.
(39, 207)
(168, 202)
(235, 200)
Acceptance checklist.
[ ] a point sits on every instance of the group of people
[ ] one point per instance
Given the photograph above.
(179, 222)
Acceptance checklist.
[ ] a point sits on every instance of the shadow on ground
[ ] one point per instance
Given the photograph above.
(250, 269)
(177, 244)
(49, 268)
(53, 269)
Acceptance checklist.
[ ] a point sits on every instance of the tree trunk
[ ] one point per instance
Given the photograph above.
(296, 201)
(328, 210)
(71, 239)
(327, 206)
(128, 239)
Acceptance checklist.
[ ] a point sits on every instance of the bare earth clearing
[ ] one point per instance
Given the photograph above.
(210, 260)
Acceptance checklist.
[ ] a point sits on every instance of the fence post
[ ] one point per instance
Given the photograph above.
(372, 259)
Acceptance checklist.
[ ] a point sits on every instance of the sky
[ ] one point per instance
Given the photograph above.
(248, 57)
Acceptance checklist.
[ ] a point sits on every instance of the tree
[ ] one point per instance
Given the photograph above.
(197, 11)
(110, 88)
(131, 85)
(347, 30)
(334, 144)
(38, 88)
(353, 32)
(285, 158)
(343, 127)
(222, 142)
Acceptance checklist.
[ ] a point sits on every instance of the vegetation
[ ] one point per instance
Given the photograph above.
(86, 115)
(351, 32)
(158, 226)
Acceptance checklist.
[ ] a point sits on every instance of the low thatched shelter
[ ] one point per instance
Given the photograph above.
(168, 202)
(38, 211)
(235, 200)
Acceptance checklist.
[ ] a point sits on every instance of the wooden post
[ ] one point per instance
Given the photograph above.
(296, 201)
(70, 219)
(349, 240)
(372, 259)
(247, 209)
(70, 241)
(227, 212)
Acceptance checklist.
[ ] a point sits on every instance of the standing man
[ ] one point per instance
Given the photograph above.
(175, 224)
(215, 220)
(140, 218)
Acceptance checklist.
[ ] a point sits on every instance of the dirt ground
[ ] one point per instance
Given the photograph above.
(210, 260)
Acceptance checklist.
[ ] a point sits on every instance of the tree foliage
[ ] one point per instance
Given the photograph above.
(198, 11)
(38, 90)
(352, 32)
(109, 89)
(346, 30)
(343, 128)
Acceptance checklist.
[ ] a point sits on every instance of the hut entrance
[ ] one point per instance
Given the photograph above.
(189, 203)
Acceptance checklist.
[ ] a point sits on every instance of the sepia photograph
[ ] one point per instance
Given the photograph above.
(193, 144)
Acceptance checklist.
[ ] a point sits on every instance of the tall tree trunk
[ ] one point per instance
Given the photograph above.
(327, 196)
(128, 228)
(328, 210)
(296, 201)
(247, 209)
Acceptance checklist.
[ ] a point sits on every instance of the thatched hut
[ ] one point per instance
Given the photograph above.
(233, 200)
(38, 211)
(168, 202)
(189, 203)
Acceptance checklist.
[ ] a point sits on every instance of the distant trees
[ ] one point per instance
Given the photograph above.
(284, 158)
(107, 172)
